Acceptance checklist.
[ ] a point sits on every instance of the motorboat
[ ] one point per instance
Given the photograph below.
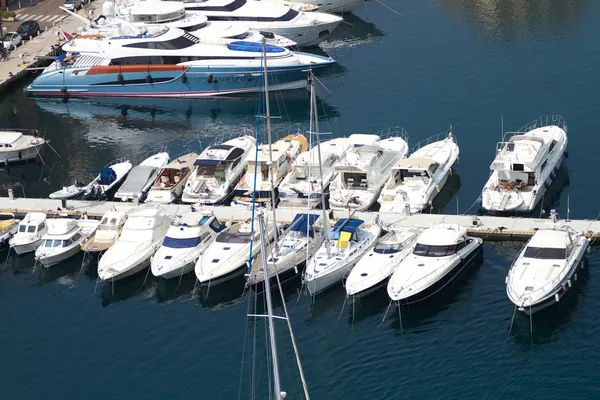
(171, 180)
(141, 236)
(184, 243)
(330, 6)
(255, 185)
(217, 170)
(106, 234)
(227, 257)
(295, 245)
(415, 181)
(305, 28)
(8, 227)
(525, 166)
(375, 268)
(16, 146)
(363, 170)
(546, 268)
(348, 240)
(441, 253)
(142, 176)
(172, 63)
(30, 232)
(61, 241)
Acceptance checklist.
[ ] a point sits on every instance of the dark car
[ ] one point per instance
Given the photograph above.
(28, 29)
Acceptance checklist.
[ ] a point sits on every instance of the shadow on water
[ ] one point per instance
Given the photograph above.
(140, 284)
(353, 31)
(65, 272)
(222, 295)
(333, 300)
(446, 194)
(171, 289)
(374, 304)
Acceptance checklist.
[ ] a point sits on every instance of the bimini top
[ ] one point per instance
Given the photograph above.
(349, 225)
(107, 175)
(442, 235)
(303, 222)
(59, 227)
(254, 47)
(549, 239)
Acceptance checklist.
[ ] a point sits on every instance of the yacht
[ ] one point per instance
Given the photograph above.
(227, 257)
(441, 253)
(295, 245)
(61, 241)
(141, 236)
(416, 180)
(16, 146)
(106, 234)
(184, 243)
(305, 28)
(258, 175)
(545, 269)
(217, 170)
(347, 242)
(29, 233)
(142, 176)
(171, 180)
(330, 6)
(9, 226)
(363, 170)
(525, 166)
(375, 268)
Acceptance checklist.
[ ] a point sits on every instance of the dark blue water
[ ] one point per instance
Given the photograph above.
(444, 62)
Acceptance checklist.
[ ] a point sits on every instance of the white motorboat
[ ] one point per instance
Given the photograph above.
(141, 236)
(8, 227)
(217, 170)
(347, 242)
(305, 28)
(106, 233)
(171, 180)
(546, 268)
(141, 177)
(331, 6)
(62, 241)
(15, 146)
(363, 170)
(29, 233)
(227, 257)
(299, 242)
(184, 243)
(415, 181)
(441, 253)
(525, 166)
(374, 269)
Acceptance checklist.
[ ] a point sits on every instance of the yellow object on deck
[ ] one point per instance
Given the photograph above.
(343, 240)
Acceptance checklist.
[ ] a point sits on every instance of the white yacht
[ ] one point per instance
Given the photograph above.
(29, 234)
(61, 242)
(228, 255)
(416, 180)
(171, 180)
(374, 269)
(15, 146)
(141, 177)
(298, 243)
(363, 170)
(524, 167)
(184, 243)
(346, 243)
(106, 234)
(544, 270)
(305, 28)
(141, 236)
(441, 253)
(331, 6)
(217, 170)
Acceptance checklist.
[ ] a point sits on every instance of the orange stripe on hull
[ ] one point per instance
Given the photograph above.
(115, 69)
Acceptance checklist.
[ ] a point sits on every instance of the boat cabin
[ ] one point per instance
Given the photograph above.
(32, 223)
(62, 233)
(187, 235)
(441, 241)
(173, 174)
(550, 244)
(413, 171)
(217, 160)
(110, 225)
(357, 166)
(10, 140)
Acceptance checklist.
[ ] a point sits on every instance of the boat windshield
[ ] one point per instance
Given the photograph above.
(181, 243)
(545, 253)
(55, 243)
(240, 238)
(388, 248)
(426, 250)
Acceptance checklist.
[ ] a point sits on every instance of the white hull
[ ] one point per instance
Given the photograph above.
(304, 36)
(415, 208)
(27, 247)
(329, 279)
(366, 199)
(131, 270)
(20, 155)
(53, 259)
(175, 272)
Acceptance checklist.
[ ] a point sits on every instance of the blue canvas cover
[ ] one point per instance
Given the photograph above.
(207, 162)
(349, 225)
(302, 222)
(253, 47)
(107, 176)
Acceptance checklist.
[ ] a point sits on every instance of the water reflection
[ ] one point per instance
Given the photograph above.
(141, 284)
(353, 31)
(171, 289)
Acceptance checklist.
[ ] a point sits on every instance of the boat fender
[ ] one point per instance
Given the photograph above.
(556, 170)
(566, 154)
(437, 187)
(20, 156)
(556, 297)
(457, 160)
(120, 78)
(552, 175)
(209, 78)
(570, 283)
(575, 277)
(450, 171)
(183, 79)
(546, 184)
(148, 78)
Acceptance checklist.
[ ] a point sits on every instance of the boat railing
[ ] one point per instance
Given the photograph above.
(393, 131)
(116, 161)
(28, 131)
(150, 153)
(432, 139)
(547, 120)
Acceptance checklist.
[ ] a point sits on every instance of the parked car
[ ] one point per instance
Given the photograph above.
(73, 5)
(28, 29)
(11, 40)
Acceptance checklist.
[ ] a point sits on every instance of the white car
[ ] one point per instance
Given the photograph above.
(11, 40)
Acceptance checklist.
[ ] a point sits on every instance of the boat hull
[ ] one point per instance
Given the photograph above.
(31, 153)
(26, 247)
(174, 272)
(48, 261)
(330, 279)
(134, 269)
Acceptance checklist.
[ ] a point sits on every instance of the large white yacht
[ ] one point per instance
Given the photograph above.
(171, 180)
(141, 177)
(441, 253)
(332, 6)
(217, 170)
(29, 234)
(525, 166)
(416, 180)
(363, 170)
(546, 268)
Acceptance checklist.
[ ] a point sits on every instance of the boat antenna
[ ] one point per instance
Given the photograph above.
(502, 127)
(568, 208)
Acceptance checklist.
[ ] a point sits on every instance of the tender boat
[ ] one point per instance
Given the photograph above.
(227, 257)
(546, 268)
(441, 253)
(375, 268)
(62, 241)
(141, 236)
(363, 170)
(8, 227)
(415, 181)
(184, 243)
(285, 151)
(525, 166)
(294, 247)
(30, 232)
(141, 178)
(16, 147)
(347, 242)
(106, 234)
(217, 170)
(171, 180)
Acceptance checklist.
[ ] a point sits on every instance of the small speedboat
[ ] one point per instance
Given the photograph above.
(141, 177)
(184, 243)
(61, 242)
(30, 232)
(441, 253)
(171, 180)
(106, 234)
(8, 227)
(16, 147)
(545, 269)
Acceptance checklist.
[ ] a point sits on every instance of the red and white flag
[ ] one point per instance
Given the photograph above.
(66, 35)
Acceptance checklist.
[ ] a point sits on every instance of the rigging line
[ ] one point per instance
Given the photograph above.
(321, 83)
(267, 350)
(389, 8)
(244, 349)
(512, 320)
(384, 315)
(472, 205)
(400, 316)
(253, 369)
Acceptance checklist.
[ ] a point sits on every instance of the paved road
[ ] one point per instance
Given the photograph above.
(46, 12)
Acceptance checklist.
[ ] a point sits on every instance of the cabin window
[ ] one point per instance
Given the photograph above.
(59, 243)
(518, 167)
(181, 243)
(288, 16)
(180, 42)
(425, 250)
(48, 243)
(240, 238)
(388, 248)
(531, 179)
(76, 237)
(545, 253)
(544, 165)
(234, 5)
(355, 180)
(31, 229)
(461, 245)
(104, 221)
(23, 228)
(113, 221)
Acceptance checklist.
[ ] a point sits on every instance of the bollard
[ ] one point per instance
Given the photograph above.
(63, 204)
(11, 195)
